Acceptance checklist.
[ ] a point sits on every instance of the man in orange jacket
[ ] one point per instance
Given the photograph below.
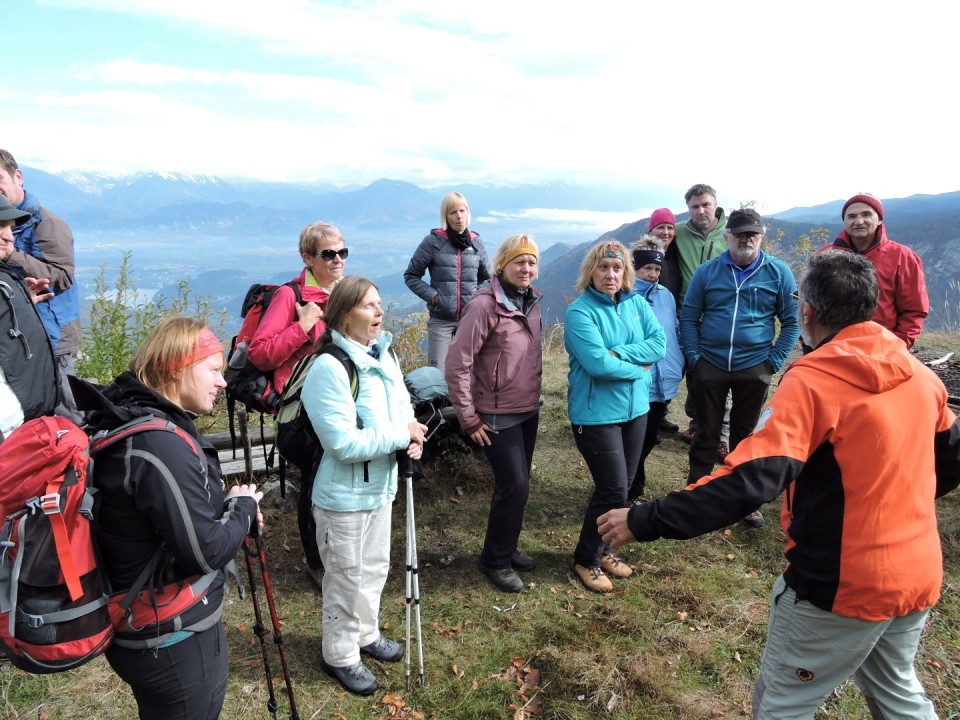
(864, 560)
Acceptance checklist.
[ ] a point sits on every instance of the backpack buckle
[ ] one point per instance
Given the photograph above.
(50, 503)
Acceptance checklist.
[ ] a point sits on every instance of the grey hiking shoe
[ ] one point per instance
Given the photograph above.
(355, 678)
(505, 579)
(522, 562)
(754, 520)
(383, 648)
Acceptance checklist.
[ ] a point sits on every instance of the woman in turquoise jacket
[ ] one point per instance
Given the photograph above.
(357, 479)
(612, 338)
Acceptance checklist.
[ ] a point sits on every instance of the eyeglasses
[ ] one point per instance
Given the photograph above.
(329, 254)
(796, 296)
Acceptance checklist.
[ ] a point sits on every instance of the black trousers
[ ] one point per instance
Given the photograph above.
(186, 681)
(510, 455)
(748, 389)
(612, 452)
(658, 411)
(305, 522)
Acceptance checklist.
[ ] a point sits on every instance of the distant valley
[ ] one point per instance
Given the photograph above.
(224, 236)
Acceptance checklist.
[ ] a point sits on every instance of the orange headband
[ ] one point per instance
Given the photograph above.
(207, 345)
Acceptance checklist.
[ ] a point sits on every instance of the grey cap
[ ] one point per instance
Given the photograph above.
(9, 212)
(745, 220)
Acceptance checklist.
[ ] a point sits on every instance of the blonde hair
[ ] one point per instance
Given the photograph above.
(313, 233)
(450, 201)
(597, 253)
(159, 361)
(513, 247)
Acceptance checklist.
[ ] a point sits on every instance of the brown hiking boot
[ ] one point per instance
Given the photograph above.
(612, 566)
(593, 579)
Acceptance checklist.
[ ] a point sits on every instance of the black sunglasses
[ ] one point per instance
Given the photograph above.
(329, 254)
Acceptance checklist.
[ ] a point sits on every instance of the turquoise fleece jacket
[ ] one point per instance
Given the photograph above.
(731, 322)
(383, 405)
(604, 389)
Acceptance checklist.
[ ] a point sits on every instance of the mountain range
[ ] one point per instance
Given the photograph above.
(224, 235)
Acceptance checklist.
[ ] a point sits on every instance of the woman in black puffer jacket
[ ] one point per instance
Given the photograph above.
(458, 264)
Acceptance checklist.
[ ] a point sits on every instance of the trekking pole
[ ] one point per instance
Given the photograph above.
(260, 631)
(413, 572)
(259, 628)
(277, 633)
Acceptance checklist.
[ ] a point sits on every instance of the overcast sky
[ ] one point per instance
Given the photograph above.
(780, 103)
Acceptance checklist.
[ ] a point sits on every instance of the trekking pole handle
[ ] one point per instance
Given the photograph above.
(406, 463)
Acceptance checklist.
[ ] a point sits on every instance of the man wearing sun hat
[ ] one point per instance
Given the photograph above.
(903, 300)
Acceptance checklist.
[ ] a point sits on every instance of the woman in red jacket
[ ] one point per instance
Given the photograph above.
(288, 332)
(493, 371)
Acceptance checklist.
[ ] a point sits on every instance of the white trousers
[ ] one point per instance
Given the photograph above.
(810, 651)
(355, 549)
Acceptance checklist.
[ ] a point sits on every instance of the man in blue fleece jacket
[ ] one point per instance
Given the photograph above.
(728, 331)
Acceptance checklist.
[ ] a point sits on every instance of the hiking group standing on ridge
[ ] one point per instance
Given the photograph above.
(699, 299)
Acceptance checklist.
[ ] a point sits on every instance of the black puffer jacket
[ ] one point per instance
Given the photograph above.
(455, 273)
(155, 489)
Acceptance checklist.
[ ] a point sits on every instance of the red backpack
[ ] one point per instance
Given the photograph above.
(56, 610)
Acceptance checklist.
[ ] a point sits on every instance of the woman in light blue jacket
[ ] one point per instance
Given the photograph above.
(612, 338)
(357, 479)
(648, 259)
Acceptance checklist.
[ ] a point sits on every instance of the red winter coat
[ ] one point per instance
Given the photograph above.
(903, 300)
(280, 342)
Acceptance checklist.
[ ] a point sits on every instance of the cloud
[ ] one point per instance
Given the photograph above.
(770, 103)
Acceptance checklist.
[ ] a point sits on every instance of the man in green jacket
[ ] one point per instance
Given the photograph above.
(701, 237)
(698, 240)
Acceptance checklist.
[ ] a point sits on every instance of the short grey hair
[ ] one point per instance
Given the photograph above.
(841, 287)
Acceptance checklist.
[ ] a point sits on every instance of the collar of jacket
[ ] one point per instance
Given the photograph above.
(843, 240)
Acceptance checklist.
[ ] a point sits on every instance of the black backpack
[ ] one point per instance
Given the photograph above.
(26, 353)
(246, 383)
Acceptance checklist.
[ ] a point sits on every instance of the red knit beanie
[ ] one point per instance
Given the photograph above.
(663, 215)
(863, 198)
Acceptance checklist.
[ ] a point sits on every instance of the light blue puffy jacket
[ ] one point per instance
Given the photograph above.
(668, 372)
(383, 406)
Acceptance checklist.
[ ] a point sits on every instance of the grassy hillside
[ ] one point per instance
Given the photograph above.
(681, 640)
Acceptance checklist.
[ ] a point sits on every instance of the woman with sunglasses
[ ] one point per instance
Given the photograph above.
(288, 332)
(457, 262)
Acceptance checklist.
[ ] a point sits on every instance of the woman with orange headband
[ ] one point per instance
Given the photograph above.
(163, 514)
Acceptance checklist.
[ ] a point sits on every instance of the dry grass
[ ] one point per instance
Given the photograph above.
(681, 640)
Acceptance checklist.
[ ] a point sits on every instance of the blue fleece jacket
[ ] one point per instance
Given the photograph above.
(729, 316)
(604, 388)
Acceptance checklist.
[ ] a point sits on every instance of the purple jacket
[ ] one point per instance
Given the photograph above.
(495, 360)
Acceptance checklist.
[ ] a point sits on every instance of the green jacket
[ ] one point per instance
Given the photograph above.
(694, 249)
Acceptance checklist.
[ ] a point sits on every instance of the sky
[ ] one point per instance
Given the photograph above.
(782, 104)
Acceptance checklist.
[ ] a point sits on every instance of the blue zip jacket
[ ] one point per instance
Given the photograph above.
(604, 389)
(668, 372)
(383, 405)
(729, 316)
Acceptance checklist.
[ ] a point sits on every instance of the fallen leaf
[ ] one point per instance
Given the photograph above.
(731, 556)
(691, 654)
(241, 628)
(681, 616)
(736, 656)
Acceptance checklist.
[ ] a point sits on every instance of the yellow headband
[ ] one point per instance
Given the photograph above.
(525, 247)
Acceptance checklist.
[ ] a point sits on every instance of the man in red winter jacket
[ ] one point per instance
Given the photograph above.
(903, 300)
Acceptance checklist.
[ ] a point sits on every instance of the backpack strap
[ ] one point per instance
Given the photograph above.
(340, 354)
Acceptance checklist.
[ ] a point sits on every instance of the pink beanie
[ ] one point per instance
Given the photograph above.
(663, 215)
(863, 198)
